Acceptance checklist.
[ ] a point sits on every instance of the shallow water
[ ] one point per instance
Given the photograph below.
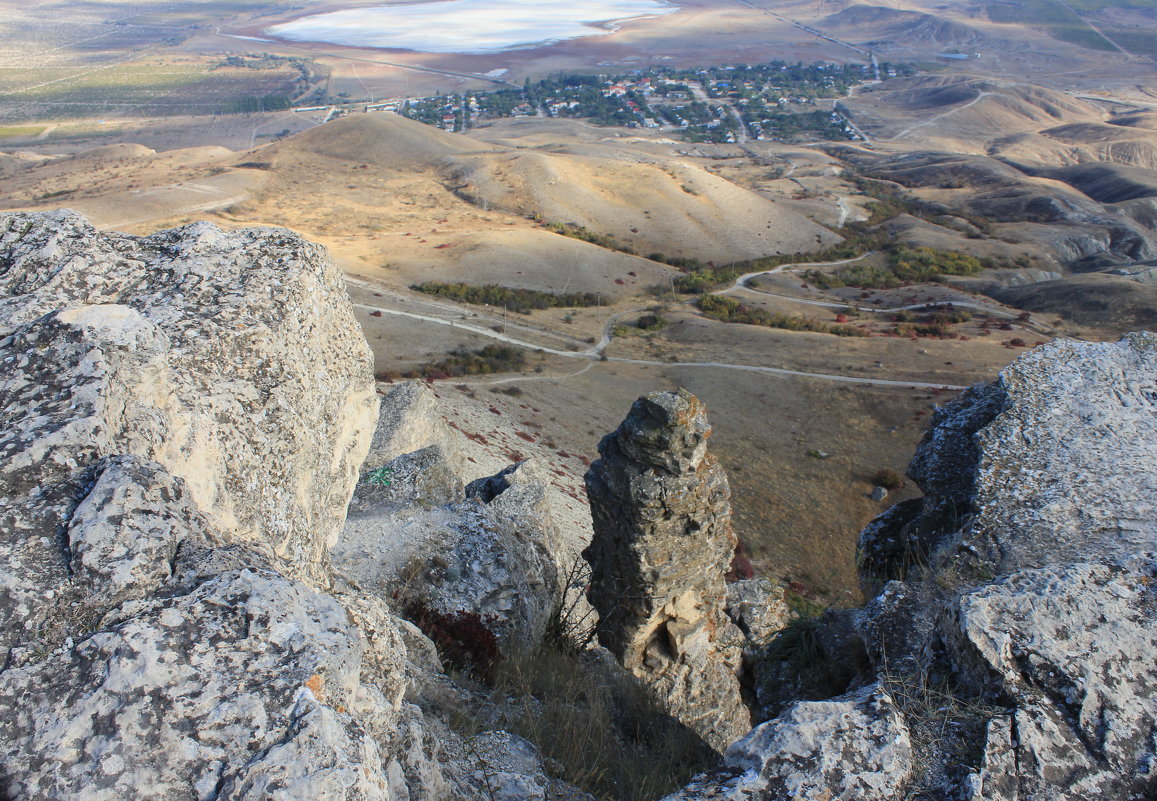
(468, 26)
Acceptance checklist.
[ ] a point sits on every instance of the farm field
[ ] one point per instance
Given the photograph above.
(143, 88)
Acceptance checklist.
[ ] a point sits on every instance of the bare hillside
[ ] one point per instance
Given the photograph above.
(865, 23)
(1078, 143)
(382, 140)
(963, 113)
(673, 210)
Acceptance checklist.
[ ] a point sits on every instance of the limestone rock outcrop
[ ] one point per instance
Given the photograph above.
(244, 686)
(854, 748)
(231, 359)
(182, 418)
(663, 541)
(1013, 623)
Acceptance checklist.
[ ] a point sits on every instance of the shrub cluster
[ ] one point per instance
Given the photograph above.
(728, 310)
(516, 300)
(652, 321)
(938, 323)
(905, 265)
(586, 235)
(490, 359)
(889, 478)
(740, 568)
(464, 639)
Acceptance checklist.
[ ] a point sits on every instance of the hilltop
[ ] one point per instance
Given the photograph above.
(388, 602)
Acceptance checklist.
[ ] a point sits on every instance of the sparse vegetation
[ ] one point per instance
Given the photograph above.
(946, 724)
(514, 299)
(381, 477)
(571, 625)
(728, 310)
(596, 726)
(486, 360)
(801, 662)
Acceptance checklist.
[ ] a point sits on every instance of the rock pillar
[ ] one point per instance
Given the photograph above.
(662, 542)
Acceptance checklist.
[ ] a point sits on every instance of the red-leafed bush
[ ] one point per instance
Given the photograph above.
(463, 638)
(741, 568)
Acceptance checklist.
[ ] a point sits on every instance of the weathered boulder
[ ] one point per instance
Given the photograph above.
(663, 541)
(421, 541)
(854, 748)
(230, 358)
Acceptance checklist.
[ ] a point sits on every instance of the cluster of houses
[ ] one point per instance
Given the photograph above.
(709, 104)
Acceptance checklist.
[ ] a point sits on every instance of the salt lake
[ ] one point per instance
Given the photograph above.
(469, 26)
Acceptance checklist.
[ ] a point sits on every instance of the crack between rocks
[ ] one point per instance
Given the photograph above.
(1014, 732)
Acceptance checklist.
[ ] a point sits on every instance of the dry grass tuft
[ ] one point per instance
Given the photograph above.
(596, 726)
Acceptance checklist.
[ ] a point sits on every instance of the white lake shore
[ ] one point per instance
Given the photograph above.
(469, 26)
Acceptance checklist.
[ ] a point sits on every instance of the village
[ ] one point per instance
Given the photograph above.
(777, 101)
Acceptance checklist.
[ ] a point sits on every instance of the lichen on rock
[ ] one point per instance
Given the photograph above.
(230, 358)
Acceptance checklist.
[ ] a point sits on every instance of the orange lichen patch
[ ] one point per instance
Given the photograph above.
(316, 685)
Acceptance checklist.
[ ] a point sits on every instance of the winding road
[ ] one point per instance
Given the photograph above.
(933, 120)
(743, 283)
